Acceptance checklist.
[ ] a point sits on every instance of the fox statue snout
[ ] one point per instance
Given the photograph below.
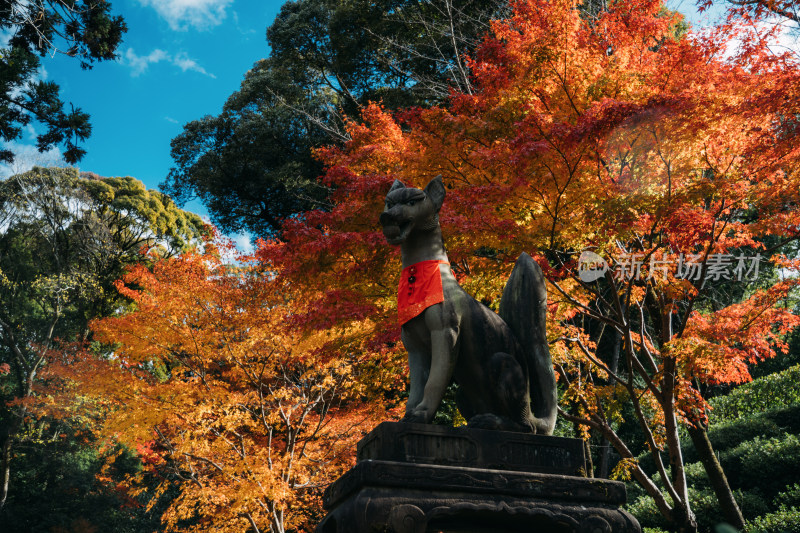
(407, 209)
(394, 229)
(501, 362)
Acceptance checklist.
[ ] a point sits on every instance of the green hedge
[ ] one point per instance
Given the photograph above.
(730, 434)
(705, 506)
(782, 521)
(770, 423)
(785, 520)
(771, 464)
(727, 435)
(696, 475)
(763, 473)
(789, 497)
(646, 512)
(774, 391)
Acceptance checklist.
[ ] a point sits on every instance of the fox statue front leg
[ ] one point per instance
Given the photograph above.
(419, 364)
(430, 340)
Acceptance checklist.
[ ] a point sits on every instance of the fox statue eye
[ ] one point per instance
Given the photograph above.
(411, 202)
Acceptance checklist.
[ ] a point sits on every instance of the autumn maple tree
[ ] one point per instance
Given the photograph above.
(231, 402)
(670, 154)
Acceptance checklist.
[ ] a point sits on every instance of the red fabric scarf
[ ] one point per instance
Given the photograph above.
(420, 287)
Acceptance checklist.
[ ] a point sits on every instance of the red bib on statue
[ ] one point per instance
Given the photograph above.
(420, 288)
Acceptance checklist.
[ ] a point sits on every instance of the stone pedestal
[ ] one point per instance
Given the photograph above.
(417, 478)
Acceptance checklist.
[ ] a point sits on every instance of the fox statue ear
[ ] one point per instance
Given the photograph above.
(397, 185)
(435, 191)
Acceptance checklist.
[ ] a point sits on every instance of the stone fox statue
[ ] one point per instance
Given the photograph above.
(500, 362)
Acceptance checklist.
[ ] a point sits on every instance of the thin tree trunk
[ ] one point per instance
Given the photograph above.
(603, 466)
(719, 482)
(587, 450)
(605, 454)
(682, 511)
(5, 471)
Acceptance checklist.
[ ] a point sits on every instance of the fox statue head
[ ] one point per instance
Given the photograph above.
(409, 210)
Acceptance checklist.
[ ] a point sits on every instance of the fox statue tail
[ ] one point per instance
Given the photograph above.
(524, 308)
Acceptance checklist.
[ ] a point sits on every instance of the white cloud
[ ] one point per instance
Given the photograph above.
(28, 156)
(243, 242)
(139, 64)
(181, 14)
(31, 131)
(239, 27)
(5, 36)
(170, 119)
(787, 38)
(185, 63)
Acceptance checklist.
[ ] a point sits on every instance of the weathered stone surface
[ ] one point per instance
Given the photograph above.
(473, 448)
(373, 509)
(429, 479)
(412, 478)
(523, 307)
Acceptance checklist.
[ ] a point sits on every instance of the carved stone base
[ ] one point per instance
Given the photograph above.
(396, 486)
